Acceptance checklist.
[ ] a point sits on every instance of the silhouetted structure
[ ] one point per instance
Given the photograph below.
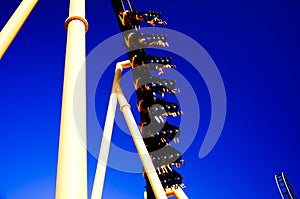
(285, 188)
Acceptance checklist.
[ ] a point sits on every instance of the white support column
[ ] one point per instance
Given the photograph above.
(156, 185)
(104, 150)
(71, 181)
(107, 134)
(14, 24)
(178, 192)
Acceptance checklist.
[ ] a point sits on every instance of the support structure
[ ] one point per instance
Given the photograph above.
(284, 186)
(178, 193)
(71, 181)
(106, 138)
(14, 24)
(156, 132)
(117, 94)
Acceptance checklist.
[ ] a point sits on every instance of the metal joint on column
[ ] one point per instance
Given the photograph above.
(123, 106)
(84, 21)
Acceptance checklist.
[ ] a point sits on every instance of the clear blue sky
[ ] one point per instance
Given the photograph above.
(255, 45)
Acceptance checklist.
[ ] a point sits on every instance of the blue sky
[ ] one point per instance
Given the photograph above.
(255, 45)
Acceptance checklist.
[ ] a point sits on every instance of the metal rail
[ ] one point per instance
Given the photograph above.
(284, 186)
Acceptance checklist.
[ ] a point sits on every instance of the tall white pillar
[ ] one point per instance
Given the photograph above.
(71, 181)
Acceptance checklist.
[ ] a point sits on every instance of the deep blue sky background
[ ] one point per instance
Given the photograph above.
(255, 45)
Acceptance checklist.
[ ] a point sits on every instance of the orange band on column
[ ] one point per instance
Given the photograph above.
(84, 21)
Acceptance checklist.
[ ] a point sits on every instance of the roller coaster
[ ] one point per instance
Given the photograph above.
(154, 137)
(285, 188)
(157, 132)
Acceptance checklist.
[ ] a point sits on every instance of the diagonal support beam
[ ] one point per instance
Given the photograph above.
(150, 171)
(136, 135)
(107, 134)
(14, 24)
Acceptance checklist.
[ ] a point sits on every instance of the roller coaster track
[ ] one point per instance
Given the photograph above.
(285, 188)
(157, 132)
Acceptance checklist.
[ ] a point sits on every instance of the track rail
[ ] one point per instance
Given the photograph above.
(285, 188)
